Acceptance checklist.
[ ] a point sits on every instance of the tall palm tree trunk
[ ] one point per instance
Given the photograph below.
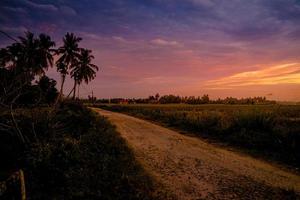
(78, 91)
(74, 89)
(70, 92)
(63, 78)
(59, 97)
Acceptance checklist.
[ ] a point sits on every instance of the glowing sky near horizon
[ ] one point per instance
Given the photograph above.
(236, 48)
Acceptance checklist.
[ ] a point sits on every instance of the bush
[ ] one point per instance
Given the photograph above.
(77, 154)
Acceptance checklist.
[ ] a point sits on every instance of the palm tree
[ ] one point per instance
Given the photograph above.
(45, 51)
(84, 70)
(36, 53)
(23, 60)
(27, 60)
(63, 70)
(30, 56)
(69, 57)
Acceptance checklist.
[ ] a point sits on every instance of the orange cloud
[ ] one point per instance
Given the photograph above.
(280, 74)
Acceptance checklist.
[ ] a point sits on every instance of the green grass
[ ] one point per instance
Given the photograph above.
(76, 154)
(270, 131)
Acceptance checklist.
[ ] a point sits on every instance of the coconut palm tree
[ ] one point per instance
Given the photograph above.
(84, 70)
(46, 51)
(23, 60)
(36, 53)
(27, 57)
(69, 52)
(63, 70)
(30, 56)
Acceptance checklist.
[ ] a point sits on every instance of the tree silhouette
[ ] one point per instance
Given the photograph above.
(23, 60)
(48, 89)
(84, 70)
(70, 53)
(46, 56)
(30, 56)
(35, 53)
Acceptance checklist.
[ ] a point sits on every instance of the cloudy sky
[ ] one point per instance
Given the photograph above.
(187, 47)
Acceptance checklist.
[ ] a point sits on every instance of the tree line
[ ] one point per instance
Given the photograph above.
(175, 99)
(23, 66)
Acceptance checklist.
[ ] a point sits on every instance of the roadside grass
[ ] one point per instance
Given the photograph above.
(74, 154)
(269, 131)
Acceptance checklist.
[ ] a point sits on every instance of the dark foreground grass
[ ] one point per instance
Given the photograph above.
(76, 154)
(270, 131)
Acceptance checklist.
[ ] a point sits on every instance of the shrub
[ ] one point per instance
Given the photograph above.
(77, 154)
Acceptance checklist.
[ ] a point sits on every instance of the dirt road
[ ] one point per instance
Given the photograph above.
(193, 169)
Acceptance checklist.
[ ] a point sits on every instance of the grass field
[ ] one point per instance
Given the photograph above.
(72, 154)
(270, 131)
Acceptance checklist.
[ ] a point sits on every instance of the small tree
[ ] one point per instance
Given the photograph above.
(205, 98)
(48, 89)
(157, 97)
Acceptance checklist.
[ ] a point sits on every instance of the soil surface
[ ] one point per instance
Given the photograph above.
(193, 169)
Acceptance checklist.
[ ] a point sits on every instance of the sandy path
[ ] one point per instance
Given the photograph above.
(193, 169)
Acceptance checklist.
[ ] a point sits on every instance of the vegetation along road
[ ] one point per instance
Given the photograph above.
(193, 169)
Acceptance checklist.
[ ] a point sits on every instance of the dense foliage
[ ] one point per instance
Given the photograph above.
(75, 154)
(66, 151)
(20, 64)
(28, 58)
(269, 130)
(175, 99)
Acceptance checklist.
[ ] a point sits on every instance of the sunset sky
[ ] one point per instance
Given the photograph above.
(236, 48)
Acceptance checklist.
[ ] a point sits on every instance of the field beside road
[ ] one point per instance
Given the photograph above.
(190, 168)
(268, 131)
